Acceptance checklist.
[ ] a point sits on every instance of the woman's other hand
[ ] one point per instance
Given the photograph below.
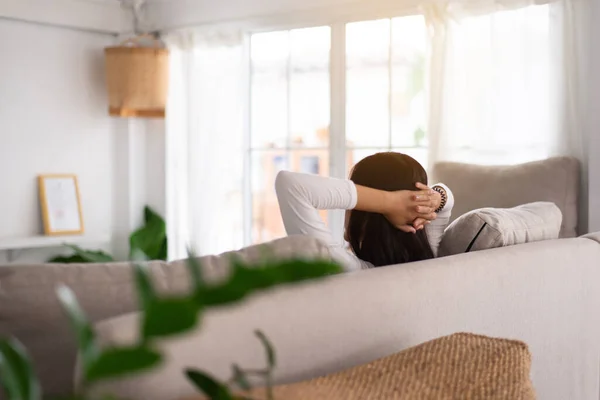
(412, 210)
(435, 202)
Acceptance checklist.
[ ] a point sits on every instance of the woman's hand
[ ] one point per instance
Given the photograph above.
(436, 199)
(410, 210)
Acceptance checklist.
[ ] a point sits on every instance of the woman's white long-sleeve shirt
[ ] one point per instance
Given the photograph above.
(301, 196)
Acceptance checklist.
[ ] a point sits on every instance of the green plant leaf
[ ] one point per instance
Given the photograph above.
(151, 238)
(138, 256)
(97, 256)
(163, 253)
(85, 335)
(271, 360)
(245, 280)
(16, 372)
(83, 256)
(117, 362)
(208, 385)
(195, 270)
(74, 259)
(145, 288)
(163, 317)
(240, 378)
(168, 317)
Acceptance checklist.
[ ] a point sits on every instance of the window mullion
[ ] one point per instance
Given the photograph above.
(337, 134)
(288, 79)
(390, 84)
(247, 172)
(337, 130)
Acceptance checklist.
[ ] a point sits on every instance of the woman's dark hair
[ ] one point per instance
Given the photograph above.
(372, 237)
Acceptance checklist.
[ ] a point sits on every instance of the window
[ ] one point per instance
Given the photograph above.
(482, 87)
(290, 104)
(289, 117)
(385, 80)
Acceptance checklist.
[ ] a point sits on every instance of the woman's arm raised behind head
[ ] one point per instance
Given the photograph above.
(300, 197)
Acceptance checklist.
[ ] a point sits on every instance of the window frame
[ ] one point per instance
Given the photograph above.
(337, 147)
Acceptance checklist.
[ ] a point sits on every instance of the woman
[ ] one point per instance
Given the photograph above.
(388, 207)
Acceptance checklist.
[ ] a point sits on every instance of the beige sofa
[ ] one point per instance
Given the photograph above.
(546, 294)
(527, 275)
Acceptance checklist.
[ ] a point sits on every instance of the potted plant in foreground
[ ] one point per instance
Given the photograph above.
(163, 317)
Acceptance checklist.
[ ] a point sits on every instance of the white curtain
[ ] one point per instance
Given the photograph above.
(506, 86)
(205, 142)
(504, 81)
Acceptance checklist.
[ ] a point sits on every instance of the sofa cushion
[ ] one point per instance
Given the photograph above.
(30, 311)
(474, 186)
(495, 227)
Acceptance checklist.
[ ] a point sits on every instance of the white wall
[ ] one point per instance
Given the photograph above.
(155, 191)
(139, 176)
(53, 119)
(98, 15)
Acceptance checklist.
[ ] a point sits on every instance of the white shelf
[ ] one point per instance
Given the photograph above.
(37, 242)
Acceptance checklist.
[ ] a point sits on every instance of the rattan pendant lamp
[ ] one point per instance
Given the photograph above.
(137, 71)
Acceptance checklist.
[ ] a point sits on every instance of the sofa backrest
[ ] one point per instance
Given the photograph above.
(476, 186)
(546, 294)
(30, 311)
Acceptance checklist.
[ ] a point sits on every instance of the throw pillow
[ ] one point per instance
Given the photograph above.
(488, 228)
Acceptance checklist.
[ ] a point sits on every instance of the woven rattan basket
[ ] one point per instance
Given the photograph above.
(137, 79)
(462, 366)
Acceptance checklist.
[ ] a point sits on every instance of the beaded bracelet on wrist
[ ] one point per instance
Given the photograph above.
(444, 196)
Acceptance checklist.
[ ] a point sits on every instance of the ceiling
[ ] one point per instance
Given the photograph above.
(118, 1)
